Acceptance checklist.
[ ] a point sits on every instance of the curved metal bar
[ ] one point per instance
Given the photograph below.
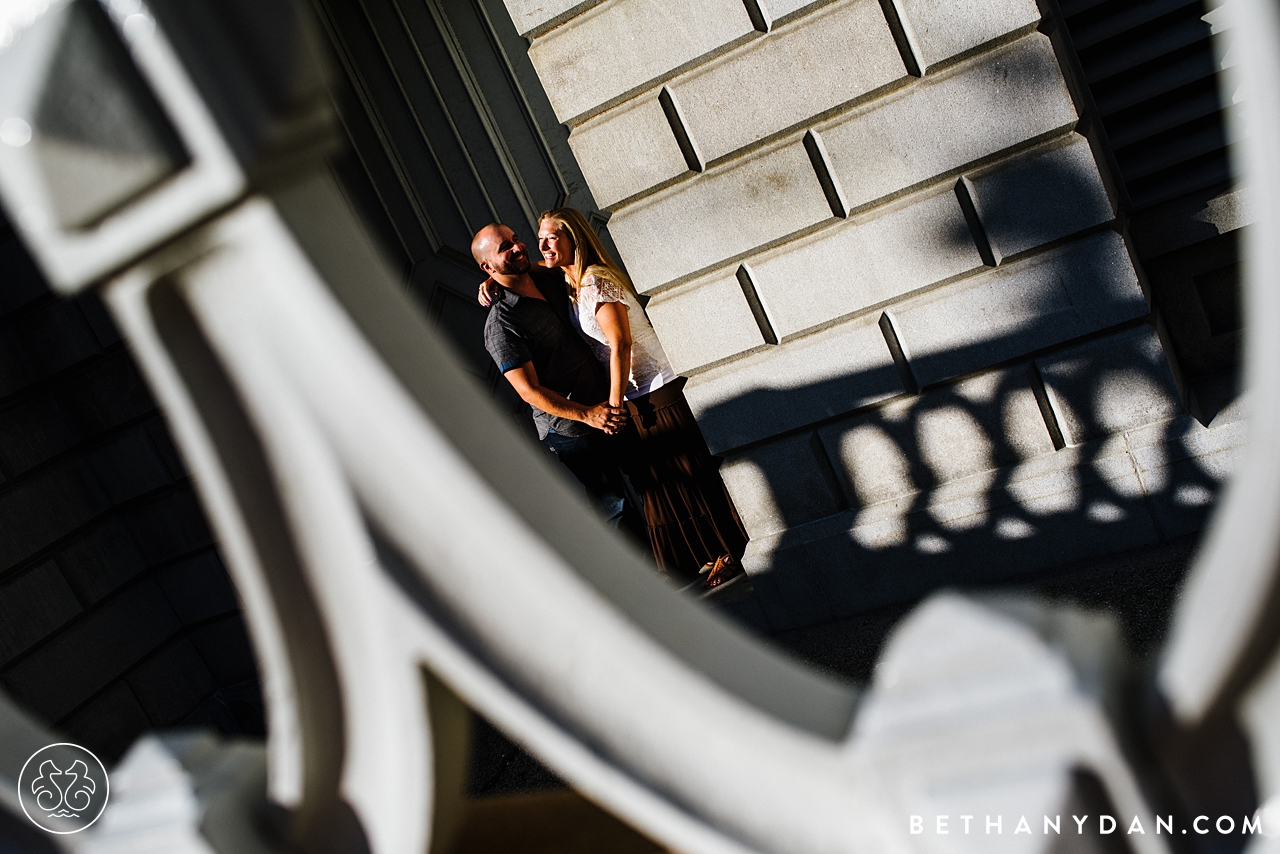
(278, 332)
(386, 318)
(1229, 620)
(313, 405)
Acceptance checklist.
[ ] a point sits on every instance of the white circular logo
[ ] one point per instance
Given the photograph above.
(63, 788)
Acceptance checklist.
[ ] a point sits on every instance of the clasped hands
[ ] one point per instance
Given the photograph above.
(610, 419)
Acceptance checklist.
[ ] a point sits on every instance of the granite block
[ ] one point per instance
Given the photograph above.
(627, 150)
(857, 264)
(704, 322)
(129, 465)
(828, 58)
(946, 434)
(1030, 201)
(93, 652)
(1184, 466)
(718, 215)
(941, 29)
(99, 319)
(15, 373)
(621, 46)
(778, 9)
(1012, 95)
(873, 457)
(172, 683)
(533, 16)
(110, 723)
(43, 508)
(20, 280)
(101, 561)
(198, 588)
(1054, 510)
(33, 432)
(782, 484)
(224, 647)
(790, 386)
(33, 605)
(53, 337)
(1077, 289)
(105, 394)
(1110, 386)
(171, 525)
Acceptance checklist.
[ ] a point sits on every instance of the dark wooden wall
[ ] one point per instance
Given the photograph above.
(116, 614)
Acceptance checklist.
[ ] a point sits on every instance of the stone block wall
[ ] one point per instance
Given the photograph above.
(875, 239)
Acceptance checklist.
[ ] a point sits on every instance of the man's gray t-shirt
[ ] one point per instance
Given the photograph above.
(522, 329)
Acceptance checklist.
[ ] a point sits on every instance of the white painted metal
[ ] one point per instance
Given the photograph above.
(343, 439)
(306, 431)
(75, 258)
(1231, 596)
(311, 386)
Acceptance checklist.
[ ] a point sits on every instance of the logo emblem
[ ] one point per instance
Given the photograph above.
(63, 788)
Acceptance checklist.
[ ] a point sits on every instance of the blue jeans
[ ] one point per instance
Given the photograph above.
(592, 462)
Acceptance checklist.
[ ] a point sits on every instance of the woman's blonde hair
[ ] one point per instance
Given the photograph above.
(590, 257)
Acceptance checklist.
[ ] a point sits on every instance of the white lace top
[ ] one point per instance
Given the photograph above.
(650, 369)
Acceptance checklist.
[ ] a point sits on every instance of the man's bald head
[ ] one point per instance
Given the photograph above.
(485, 239)
(499, 252)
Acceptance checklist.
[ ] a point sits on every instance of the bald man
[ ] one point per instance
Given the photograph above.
(530, 337)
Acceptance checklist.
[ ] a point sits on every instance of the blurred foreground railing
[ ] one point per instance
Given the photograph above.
(401, 554)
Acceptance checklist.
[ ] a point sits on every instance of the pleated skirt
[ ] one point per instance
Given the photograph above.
(690, 517)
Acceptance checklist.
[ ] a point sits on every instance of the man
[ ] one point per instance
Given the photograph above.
(530, 337)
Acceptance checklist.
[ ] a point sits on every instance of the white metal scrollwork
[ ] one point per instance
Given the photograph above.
(396, 547)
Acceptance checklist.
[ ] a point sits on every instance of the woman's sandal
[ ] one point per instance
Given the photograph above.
(724, 569)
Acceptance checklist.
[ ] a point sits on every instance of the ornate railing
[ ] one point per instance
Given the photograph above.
(401, 553)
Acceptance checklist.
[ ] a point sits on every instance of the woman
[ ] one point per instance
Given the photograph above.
(693, 527)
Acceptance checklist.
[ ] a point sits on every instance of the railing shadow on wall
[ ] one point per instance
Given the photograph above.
(1008, 519)
(1052, 433)
(942, 490)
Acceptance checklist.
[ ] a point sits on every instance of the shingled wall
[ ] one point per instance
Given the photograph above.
(879, 241)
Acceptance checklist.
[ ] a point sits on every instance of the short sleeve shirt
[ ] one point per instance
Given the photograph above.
(521, 329)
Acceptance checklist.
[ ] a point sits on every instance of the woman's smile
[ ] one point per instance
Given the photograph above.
(556, 246)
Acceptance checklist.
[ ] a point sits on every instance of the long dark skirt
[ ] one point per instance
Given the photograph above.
(689, 514)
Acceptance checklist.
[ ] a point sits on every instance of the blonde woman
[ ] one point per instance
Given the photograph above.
(691, 521)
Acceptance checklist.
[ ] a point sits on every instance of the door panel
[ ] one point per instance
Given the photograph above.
(451, 130)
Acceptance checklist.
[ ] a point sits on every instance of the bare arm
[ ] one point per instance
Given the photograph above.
(524, 379)
(489, 289)
(612, 317)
